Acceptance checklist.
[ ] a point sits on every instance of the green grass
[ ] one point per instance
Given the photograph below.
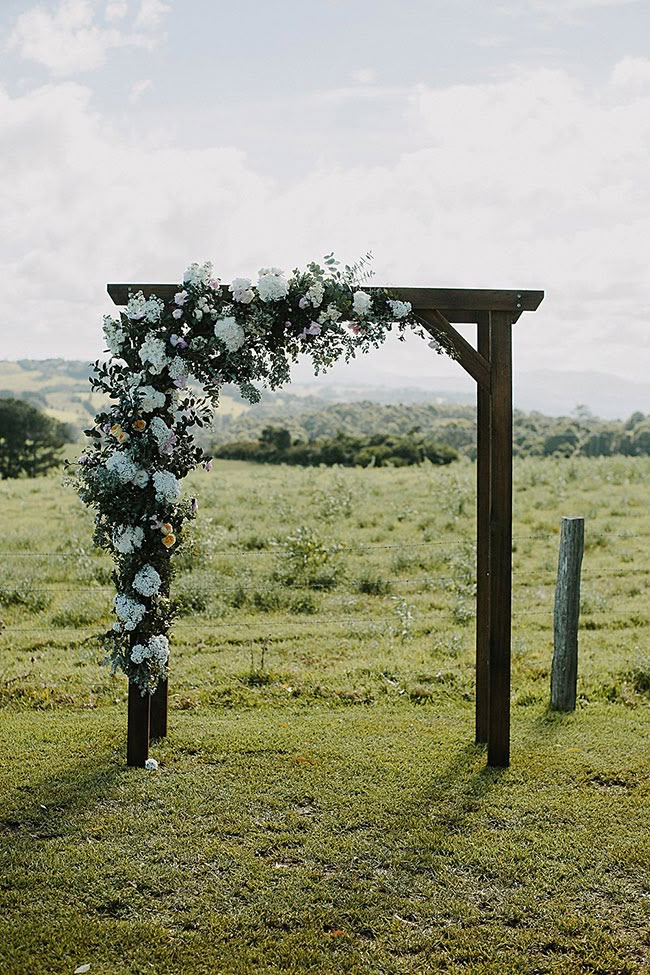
(319, 805)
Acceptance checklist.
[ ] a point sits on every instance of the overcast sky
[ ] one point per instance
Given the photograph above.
(467, 143)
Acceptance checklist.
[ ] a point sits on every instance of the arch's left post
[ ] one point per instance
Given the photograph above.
(137, 735)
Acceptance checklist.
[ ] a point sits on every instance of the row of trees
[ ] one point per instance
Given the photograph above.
(535, 434)
(276, 446)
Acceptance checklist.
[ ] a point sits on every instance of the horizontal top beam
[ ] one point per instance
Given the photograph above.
(456, 304)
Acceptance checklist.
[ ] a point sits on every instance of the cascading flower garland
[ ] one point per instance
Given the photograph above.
(143, 445)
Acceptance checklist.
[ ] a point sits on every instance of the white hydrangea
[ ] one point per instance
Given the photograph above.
(230, 332)
(138, 653)
(130, 611)
(179, 371)
(114, 334)
(156, 649)
(127, 538)
(151, 399)
(121, 464)
(271, 285)
(315, 294)
(400, 309)
(198, 275)
(331, 314)
(168, 487)
(162, 434)
(242, 291)
(147, 581)
(153, 351)
(361, 303)
(159, 649)
(140, 307)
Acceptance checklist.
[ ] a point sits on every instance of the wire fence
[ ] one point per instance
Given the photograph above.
(398, 589)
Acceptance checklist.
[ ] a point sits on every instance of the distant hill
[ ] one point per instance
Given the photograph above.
(311, 411)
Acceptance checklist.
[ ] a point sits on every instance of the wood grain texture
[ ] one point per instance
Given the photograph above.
(158, 713)
(137, 736)
(456, 304)
(466, 355)
(566, 616)
(483, 452)
(500, 539)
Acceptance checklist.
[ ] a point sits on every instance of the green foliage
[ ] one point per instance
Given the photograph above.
(379, 450)
(30, 441)
(405, 427)
(305, 560)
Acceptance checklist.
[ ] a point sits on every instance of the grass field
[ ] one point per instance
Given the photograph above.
(320, 805)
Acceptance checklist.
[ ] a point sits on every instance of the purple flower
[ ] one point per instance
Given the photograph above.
(304, 302)
(177, 341)
(314, 329)
(207, 465)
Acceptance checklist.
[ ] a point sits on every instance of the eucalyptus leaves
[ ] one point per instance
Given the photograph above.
(142, 446)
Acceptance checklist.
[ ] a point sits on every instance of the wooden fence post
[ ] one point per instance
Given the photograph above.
(564, 672)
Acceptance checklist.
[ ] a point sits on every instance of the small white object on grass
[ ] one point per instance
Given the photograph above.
(81, 969)
(151, 765)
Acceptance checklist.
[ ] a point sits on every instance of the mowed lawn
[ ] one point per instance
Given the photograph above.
(320, 805)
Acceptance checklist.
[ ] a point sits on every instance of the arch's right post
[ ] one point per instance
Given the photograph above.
(500, 552)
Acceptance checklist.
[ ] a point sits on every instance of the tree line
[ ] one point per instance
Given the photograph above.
(276, 446)
(454, 426)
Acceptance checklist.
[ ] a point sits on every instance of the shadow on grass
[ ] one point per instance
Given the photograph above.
(455, 793)
(48, 807)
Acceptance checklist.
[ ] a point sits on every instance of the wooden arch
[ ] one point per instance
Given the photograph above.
(490, 365)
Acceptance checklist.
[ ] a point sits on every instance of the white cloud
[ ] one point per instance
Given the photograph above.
(632, 72)
(139, 88)
(116, 9)
(533, 182)
(151, 14)
(365, 76)
(567, 11)
(68, 41)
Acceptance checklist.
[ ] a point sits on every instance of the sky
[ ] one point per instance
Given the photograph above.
(466, 143)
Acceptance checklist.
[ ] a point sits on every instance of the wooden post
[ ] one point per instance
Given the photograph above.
(500, 538)
(137, 736)
(564, 672)
(158, 714)
(482, 536)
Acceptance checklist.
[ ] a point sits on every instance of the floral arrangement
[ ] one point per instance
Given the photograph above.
(142, 445)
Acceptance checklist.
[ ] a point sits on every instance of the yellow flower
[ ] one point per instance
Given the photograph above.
(122, 436)
(116, 430)
(169, 540)
(167, 529)
(139, 425)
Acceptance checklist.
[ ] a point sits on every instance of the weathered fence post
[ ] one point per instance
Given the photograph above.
(564, 672)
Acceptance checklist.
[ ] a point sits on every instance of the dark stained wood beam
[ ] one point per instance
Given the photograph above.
(456, 304)
(472, 361)
(137, 734)
(500, 566)
(483, 460)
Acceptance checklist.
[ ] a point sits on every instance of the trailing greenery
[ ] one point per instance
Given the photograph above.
(275, 446)
(30, 441)
(320, 805)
